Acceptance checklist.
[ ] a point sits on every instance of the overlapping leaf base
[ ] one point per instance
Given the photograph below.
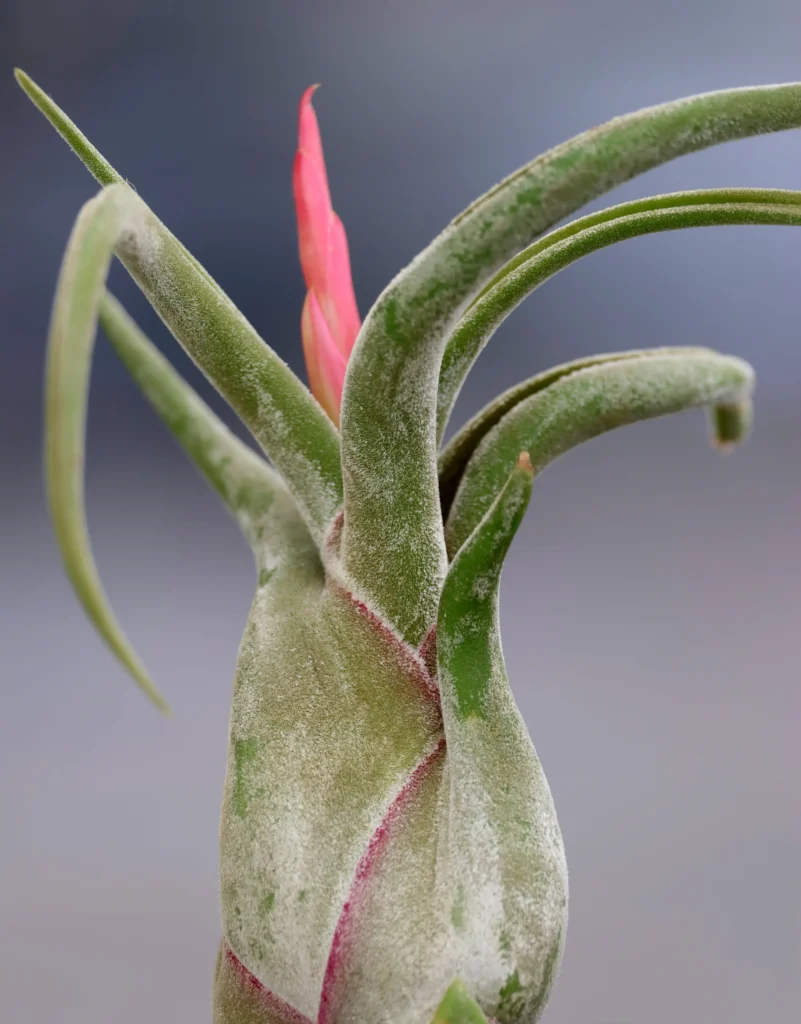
(354, 854)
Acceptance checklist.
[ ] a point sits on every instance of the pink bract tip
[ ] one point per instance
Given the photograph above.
(309, 133)
(330, 321)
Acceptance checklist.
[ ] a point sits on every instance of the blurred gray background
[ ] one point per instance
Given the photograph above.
(652, 604)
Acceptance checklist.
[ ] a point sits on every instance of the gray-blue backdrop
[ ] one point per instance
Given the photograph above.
(652, 606)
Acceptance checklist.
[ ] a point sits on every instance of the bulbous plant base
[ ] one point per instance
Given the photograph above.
(439, 859)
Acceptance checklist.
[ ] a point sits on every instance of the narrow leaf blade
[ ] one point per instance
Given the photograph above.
(243, 480)
(457, 452)
(585, 404)
(95, 162)
(72, 332)
(468, 607)
(557, 250)
(116, 213)
(277, 408)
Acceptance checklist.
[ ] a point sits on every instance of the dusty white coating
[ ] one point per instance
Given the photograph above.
(326, 725)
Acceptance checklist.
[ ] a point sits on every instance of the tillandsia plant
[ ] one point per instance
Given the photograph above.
(389, 845)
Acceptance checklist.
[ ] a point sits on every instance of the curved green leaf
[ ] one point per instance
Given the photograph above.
(247, 486)
(392, 545)
(72, 332)
(456, 454)
(585, 404)
(276, 407)
(209, 328)
(545, 257)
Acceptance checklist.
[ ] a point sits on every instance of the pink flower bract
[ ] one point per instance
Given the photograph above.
(330, 319)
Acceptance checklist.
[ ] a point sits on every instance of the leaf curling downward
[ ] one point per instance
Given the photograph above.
(72, 332)
(585, 404)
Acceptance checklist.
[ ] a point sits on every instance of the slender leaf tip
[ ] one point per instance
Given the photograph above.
(731, 424)
(97, 164)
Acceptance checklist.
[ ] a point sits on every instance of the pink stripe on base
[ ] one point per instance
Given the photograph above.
(333, 535)
(275, 1003)
(339, 944)
(428, 651)
(414, 662)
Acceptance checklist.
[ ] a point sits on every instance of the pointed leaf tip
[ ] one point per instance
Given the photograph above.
(25, 82)
(458, 1007)
(93, 160)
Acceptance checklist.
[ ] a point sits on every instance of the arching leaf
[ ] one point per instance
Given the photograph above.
(256, 382)
(467, 647)
(392, 546)
(456, 454)
(585, 404)
(552, 253)
(72, 332)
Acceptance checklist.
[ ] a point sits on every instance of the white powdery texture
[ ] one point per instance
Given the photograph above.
(327, 724)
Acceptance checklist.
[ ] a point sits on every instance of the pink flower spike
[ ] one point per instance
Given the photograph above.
(330, 321)
(326, 365)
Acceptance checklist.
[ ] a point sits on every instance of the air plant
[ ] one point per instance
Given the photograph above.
(389, 845)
